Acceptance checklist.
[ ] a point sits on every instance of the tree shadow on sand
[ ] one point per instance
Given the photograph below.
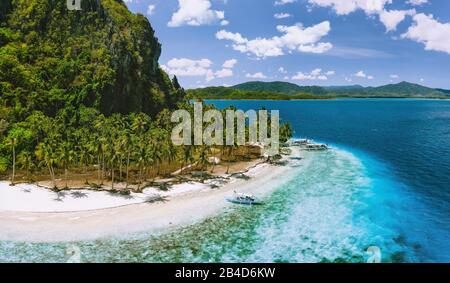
(60, 196)
(121, 194)
(155, 198)
(79, 195)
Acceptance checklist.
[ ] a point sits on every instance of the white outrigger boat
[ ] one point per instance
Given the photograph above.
(316, 147)
(309, 145)
(239, 198)
(300, 142)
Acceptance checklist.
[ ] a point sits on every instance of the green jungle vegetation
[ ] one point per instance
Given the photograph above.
(218, 93)
(82, 92)
(290, 91)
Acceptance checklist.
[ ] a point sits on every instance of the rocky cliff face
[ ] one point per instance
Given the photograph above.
(52, 58)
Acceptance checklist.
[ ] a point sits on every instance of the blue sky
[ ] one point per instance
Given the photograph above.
(307, 42)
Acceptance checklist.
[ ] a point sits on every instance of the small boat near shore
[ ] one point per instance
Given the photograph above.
(316, 147)
(309, 145)
(301, 142)
(245, 199)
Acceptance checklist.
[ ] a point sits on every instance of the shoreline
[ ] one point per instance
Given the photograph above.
(200, 202)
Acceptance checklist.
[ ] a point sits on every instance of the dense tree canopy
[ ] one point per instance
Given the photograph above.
(83, 89)
(237, 94)
(70, 67)
(104, 57)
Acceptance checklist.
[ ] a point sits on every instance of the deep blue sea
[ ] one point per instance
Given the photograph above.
(404, 148)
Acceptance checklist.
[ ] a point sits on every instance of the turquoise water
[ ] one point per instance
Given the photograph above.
(366, 191)
(404, 144)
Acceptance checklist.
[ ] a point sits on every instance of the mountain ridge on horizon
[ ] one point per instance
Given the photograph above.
(279, 90)
(399, 89)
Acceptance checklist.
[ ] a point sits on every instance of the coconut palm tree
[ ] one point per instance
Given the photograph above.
(112, 156)
(139, 124)
(130, 145)
(65, 155)
(188, 156)
(45, 153)
(83, 150)
(203, 157)
(230, 152)
(12, 142)
(25, 159)
(150, 156)
(95, 149)
(117, 126)
(141, 156)
(100, 144)
(170, 153)
(286, 132)
(158, 152)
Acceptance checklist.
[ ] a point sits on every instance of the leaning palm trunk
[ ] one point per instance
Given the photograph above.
(140, 177)
(14, 165)
(65, 177)
(52, 175)
(181, 169)
(28, 172)
(112, 177)
(103, 168)
(85, 172)
(213, 166)
(99, 168)
(128, 168)
(120, 169)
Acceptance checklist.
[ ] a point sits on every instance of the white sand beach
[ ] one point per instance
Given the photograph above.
(31, 198)
(30, 213)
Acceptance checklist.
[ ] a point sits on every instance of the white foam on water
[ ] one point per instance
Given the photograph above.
(316, 222)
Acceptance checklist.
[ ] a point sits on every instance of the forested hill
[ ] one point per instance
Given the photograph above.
(280, 87)
(289, 91)
(105, 57)
(221, 92)
(402, 89)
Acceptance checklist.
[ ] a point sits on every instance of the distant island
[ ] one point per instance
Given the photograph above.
(288, 91)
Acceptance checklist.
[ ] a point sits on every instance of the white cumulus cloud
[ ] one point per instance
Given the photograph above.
(282, 15)
(258, 75)
(392, 18)
(196, 13)
(362, 74)
(417, 2)
(345, 7)
(284, 2)
(433, 34)
(151, 9)
(296, 37)
(316, 74)
(282, 70)
(184, 67)
(229, 64)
